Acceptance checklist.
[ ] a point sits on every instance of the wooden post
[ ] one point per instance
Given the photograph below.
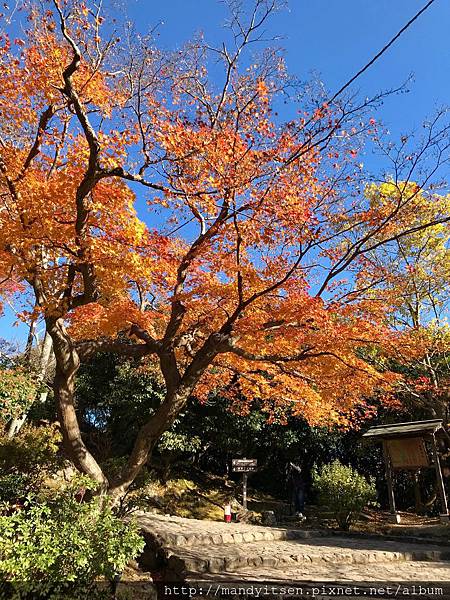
(440, 480)
(390, 484)
(244, 490)
(417, 494)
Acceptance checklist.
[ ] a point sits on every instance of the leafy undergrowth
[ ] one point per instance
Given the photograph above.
(376, 521)
(199, 495)
(184, 498)
(204, 496)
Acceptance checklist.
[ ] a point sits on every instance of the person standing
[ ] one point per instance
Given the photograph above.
(297, 484)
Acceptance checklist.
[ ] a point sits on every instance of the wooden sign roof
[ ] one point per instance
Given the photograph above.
(413, 428)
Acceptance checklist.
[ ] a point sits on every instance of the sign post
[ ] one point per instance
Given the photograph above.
(244, 490)
(244, 466)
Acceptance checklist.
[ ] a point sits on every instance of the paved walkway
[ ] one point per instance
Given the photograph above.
(199, 550)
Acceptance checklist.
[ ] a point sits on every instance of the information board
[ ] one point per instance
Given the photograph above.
(408, 453)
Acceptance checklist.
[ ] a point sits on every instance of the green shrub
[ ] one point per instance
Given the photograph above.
(17, 393)
(27, 459)
(344, 491)
(14, 487)
(59, 548)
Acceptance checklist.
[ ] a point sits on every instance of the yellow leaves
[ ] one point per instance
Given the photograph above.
(410, 205)
(35, 72)
(414, 267)
(93, 320)
(321, 112)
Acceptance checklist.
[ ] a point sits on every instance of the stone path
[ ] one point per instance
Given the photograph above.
(326, 552)
(387, 573)
(207, 550)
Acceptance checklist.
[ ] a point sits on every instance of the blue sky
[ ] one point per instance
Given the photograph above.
(333, 38)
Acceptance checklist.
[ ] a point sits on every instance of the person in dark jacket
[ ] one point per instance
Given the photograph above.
(296, 481)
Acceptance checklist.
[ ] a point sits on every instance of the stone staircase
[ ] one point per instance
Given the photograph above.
(193, 550)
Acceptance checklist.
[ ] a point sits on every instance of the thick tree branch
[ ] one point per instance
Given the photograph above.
(88, 348)
(178, 310)
(44, 120)
(93, 170)
(306, 354)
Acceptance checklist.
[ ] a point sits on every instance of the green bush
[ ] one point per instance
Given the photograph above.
(27, 459)
(14, 487)
(344, 491)
(59, 548)
(17, 393)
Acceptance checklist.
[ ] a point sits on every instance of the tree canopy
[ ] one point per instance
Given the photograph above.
(248, 275)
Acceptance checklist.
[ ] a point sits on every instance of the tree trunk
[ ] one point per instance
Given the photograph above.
(67, 365)
(178, 391)
(16, 425)
(147, 439)
(418, 506)
(30, 338)
(440, 408)
(44, 360)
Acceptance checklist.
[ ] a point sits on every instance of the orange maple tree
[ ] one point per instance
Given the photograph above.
(243, 277)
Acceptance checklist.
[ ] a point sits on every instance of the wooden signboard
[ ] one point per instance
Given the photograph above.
(244, 465)
(408, 453)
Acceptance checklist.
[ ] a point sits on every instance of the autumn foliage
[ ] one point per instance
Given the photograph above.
(249, 272)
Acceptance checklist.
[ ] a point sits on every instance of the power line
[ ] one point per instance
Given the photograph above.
(382, 51)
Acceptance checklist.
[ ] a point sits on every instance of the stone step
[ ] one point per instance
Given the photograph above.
(176, 531)
(233, 536)
(277, 555)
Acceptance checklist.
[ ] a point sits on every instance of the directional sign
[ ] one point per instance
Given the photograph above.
(244, 465)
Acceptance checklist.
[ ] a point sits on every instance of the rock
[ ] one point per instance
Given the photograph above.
(268, 518)
(244, 516)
